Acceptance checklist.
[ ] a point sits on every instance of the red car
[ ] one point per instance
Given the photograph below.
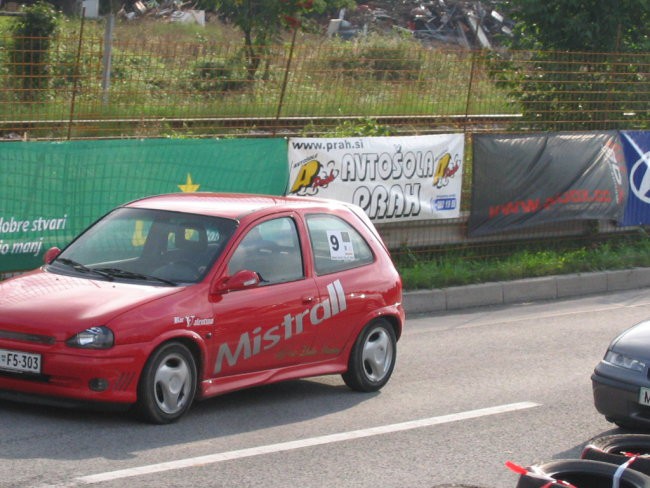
(180, 297)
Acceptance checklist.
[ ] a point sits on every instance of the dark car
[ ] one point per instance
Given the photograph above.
(621, 380)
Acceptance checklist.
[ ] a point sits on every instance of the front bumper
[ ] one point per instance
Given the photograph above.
(618, 401)
(78, 377)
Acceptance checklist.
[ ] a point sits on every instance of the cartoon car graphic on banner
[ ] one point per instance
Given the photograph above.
(180, 297)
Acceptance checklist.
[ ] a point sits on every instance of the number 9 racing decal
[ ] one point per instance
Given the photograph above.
(340, 245)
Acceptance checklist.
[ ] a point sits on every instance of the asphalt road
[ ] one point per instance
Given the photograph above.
(471, 391)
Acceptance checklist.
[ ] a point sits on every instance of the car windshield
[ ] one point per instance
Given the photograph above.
(155, 246)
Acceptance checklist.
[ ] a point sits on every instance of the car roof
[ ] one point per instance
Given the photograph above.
(230, 205)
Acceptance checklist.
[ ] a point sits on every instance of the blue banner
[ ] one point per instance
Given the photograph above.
(636, 147)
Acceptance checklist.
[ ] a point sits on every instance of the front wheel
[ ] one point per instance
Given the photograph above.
(372, 358)
(168, 384)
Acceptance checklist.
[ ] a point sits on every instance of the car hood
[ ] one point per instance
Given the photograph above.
(634, 342)
(53, 304)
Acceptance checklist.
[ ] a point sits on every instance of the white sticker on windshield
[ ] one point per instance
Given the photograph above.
(340, 245)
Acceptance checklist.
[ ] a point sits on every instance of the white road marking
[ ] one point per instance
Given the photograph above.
(299, 444)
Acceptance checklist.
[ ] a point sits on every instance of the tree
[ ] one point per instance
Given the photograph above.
(583, 25)
(29, 51)
(261, 21)
(584, 67)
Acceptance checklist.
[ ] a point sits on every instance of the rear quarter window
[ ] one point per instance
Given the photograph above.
(336, 245)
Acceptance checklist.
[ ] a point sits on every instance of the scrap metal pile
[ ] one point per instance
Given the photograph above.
(466, 23)
(172, 10)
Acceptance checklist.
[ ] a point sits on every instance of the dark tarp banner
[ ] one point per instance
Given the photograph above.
(52, 191)
(636, 147)
(520, 181)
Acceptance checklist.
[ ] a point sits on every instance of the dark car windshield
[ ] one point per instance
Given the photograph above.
(156, 246)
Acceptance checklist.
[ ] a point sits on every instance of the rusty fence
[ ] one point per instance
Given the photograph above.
(100, 86)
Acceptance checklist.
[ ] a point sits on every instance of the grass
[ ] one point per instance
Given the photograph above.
(454, 267)
(156, 73)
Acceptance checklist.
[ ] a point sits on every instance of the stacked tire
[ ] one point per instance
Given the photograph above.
(615, 461)
(619, 449)
(581, 473)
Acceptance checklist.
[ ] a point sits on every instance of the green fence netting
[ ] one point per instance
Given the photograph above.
(52, 191)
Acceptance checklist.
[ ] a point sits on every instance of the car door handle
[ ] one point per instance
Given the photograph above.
(307, 299)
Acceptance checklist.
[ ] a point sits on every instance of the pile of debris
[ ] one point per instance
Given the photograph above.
(172, 10)
(467, 23)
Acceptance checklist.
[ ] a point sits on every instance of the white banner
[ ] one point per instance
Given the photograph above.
(390, 178)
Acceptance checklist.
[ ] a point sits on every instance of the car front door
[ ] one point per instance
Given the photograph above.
(266, 326)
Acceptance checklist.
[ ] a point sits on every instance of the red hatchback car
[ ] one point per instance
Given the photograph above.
(185, 296)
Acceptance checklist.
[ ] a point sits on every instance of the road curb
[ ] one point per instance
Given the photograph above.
(525, 290)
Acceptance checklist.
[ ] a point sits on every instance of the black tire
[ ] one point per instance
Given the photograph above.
(613, 449)
(168, 384)
(581, 473)
(372, 358)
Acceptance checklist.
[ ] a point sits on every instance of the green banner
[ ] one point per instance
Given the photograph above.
(52, 191)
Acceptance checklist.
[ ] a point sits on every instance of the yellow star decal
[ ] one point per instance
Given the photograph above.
(189, 186)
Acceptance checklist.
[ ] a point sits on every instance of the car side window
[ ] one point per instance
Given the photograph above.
(272, 250)
(336, 245)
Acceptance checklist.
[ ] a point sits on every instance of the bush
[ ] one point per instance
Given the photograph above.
(213, 78)
(579, 93)
(377, 58)
(29, 53)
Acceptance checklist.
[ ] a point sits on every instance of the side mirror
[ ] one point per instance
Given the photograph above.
(51, 254)
(241, 280)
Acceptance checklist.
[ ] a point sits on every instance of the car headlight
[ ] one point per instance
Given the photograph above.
(93, 338)
(624, 361)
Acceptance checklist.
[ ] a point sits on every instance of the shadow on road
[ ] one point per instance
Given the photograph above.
(36, 431)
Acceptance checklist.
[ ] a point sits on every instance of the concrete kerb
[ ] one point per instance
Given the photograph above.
(525, 290)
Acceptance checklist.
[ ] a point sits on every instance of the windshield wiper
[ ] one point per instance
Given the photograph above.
(83, 269)
(122, 273)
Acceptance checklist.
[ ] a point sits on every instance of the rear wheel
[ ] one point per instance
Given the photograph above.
(168, 384)
(372, 358)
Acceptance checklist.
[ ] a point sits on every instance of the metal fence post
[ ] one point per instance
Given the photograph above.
(470, 86)
(77, 72)
(106, 59)
(286, 79)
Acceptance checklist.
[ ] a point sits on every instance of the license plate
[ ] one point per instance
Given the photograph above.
(20, 361)
(644, 396)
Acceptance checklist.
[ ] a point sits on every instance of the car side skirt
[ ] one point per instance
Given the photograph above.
(218, 386)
